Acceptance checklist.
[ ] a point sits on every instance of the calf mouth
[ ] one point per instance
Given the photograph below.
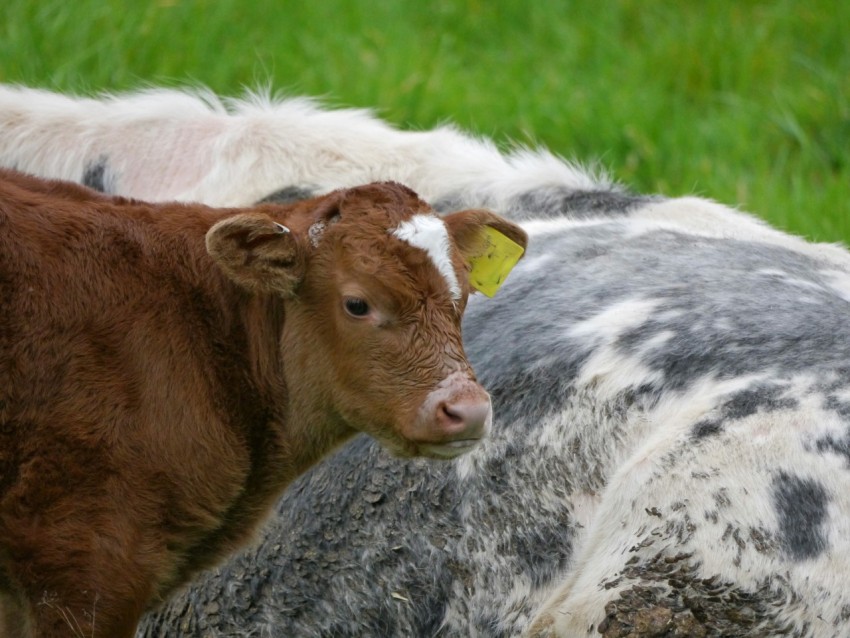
(449, 449)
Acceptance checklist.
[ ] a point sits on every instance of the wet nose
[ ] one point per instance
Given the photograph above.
(466, 417)
(454, 417)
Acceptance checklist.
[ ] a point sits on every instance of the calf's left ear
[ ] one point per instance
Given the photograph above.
(258, 253)
(490, 244)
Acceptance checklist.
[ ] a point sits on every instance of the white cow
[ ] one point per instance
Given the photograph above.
(192, 146)
(670, 379)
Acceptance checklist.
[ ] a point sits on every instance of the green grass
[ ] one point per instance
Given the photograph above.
(744, 102)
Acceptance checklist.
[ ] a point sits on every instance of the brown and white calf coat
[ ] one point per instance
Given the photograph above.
(168, 369)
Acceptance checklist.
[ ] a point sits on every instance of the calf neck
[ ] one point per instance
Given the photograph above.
(168, 369)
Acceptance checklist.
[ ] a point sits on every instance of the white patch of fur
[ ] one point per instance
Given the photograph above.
(315, 233)
(791, 280)
(675, 414)
(584, 506)
(429, 233)
(703, 217)
(611, 322)
(839, 281)
(608, 370)
(558, 224)
(610, 373)
(772, 272)
(191, 145)
(531, 265)
(843, 394)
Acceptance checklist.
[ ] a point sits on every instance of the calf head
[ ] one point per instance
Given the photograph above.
(374, 286)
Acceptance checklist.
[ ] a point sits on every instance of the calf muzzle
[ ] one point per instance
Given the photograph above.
(455, 416)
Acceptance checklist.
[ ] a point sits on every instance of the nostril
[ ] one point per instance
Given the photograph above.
(467, 417)
(452, 414)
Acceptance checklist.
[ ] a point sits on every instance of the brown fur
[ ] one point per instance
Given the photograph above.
(168, 369)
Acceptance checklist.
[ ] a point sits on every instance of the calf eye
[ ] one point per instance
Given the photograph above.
(356, 307)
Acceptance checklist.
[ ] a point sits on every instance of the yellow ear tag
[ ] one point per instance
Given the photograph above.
(497, 258)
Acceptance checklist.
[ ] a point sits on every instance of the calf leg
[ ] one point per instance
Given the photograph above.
(84, 614)
(14, 616)
(82, 602)
(84, 574)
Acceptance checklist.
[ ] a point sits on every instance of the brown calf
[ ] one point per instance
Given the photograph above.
(168, 369)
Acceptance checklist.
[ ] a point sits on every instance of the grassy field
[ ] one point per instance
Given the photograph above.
(744, 102)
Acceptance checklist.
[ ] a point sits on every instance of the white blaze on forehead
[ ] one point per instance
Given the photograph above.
(429, 233)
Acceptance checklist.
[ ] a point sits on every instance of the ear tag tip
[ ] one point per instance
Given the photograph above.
(490, 267)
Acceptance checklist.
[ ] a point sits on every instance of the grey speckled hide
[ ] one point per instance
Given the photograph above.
(669, 458)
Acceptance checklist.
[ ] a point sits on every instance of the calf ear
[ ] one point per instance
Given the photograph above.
(258, 253)
(490, 244)
(466, 228)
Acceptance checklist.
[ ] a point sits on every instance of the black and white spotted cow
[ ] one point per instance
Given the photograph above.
(671, 387)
